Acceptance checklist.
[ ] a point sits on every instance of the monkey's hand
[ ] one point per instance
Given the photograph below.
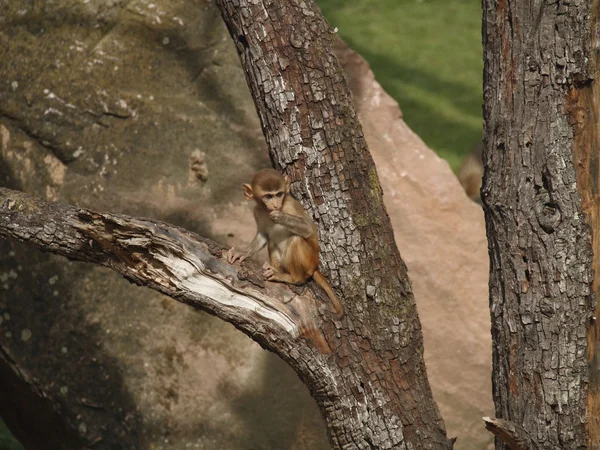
(233, 256)
(301, 226)
(276, 216)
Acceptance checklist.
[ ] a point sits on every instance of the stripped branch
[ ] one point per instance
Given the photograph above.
(514, 436)
(171, 260)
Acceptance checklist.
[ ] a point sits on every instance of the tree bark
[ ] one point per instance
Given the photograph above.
(540, 199)
(313, 134)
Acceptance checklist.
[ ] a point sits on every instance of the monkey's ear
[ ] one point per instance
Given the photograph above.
(248, 191)
(286, 182)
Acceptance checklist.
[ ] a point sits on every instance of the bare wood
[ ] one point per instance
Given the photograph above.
(514, 436)
(167, 259)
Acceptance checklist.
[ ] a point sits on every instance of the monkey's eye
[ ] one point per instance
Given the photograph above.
(268, 196)
(279, 194)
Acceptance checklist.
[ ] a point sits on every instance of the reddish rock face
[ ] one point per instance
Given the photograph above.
(441, 236)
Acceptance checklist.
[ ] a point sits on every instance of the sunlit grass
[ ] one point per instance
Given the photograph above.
(427, 55)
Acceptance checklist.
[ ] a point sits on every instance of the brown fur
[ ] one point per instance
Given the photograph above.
(267, 180)
(289, 233)
(470, 173)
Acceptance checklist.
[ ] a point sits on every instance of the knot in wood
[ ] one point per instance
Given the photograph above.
(547, 307)
(296, 39)
(547, 212)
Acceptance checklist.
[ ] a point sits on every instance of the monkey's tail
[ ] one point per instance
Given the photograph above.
(335, 300)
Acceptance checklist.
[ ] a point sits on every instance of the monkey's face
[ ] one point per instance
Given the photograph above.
(268, 189)
(273, 201)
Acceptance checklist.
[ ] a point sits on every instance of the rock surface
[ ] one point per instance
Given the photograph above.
(141, 108)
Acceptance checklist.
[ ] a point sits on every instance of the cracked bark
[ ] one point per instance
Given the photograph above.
(540, 198)
(381, 398)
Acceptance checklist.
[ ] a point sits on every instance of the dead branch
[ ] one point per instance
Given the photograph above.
(189, 268)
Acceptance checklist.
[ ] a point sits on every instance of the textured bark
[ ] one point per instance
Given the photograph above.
(540, 199)
(515, 437)
(381, 398)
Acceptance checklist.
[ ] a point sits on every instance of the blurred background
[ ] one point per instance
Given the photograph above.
(426, 54)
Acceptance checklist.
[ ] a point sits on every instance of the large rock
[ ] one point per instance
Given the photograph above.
(141, 108)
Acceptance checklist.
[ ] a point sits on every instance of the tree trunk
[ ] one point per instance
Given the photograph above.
(313, 133)
(540, 199)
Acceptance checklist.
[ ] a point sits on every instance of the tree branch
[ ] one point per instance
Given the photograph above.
(514, 436)
(171, 260)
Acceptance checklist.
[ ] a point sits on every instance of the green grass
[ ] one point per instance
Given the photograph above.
(427, 55)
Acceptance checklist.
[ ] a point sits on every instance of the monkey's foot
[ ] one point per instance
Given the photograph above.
(272, 274)
(269, 272)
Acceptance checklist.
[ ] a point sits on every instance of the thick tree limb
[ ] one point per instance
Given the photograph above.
(314, 136)
(170, 260)
(514, 436)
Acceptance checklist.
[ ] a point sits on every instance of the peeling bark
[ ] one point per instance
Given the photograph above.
(515, 437)
(539, 196)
